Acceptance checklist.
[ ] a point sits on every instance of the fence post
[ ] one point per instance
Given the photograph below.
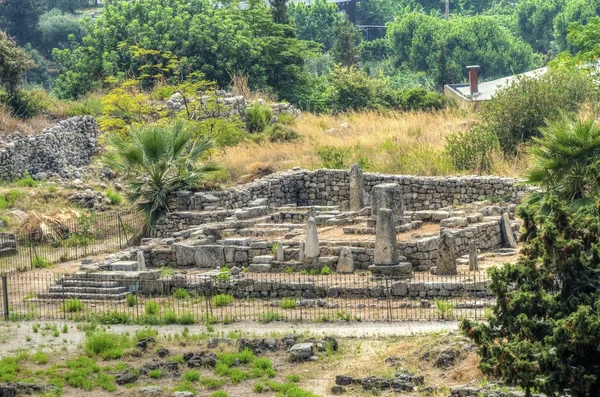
(5, 295)
(124, 231)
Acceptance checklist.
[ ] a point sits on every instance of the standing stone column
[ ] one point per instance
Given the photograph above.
(446, 263)
(390, 196)
(507, 232)
(311, 247)
(387, 261)
(357, 188)
(141, 261)
(473, 256)
(345, 262)
(279, 253)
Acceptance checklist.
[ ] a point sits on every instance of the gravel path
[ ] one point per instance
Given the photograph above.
(16, 336)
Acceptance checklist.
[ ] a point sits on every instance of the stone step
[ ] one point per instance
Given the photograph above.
(124, 266)
(75, 282)
(259, 268)
(88, 290)
(262, 259)
(81, 296)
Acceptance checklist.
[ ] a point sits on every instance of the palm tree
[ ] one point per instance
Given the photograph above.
(562, 160)
(157, 161)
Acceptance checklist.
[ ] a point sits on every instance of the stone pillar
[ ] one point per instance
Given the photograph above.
(141, 261)
(446, 263)
(345, 262)
(311, 248)
(279, 253)
(473, 256)
(507, 232)
(357, 188)
(386, 245)
(301, 247)
(388, 195)
(387, 261)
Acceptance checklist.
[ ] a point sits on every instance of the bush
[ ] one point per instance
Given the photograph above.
(191, 375)
(258, 117)
(181, 293)
(152, 308)
(40, 263)
(334, 157)
(73, 305)
(114, 197)
(472, 150)
(131, 300)
(90, 106)
(527, 103)
(222, 300)
(280, 133)
(28, 104)
(288, 303)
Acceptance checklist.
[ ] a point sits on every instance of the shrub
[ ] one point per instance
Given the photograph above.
(334, 157)
(286, 119)
(181, 293)
(288, 303)
(222, 300)
(444, 308)
(131, 300)
(269, 317)
(28, 103)
(114, 197)
(258, 117)
(152, 308)
(325, 270)
(39, 262)
(472, 150)
(73, 305)
(89, 106)
(191, 375)
(27, 181)
(170, 317)
(186, 318)
(527, 103)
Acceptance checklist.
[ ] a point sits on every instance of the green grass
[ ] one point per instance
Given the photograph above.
(39, 262)
(73, 305)
(186, 318)
(114, 197)
(288, 303)
(181, 293)
(219, 393)
(269, 317)
(166, 271)
(170, 317)
(222, 300)
(212, 383)
(191, 375)
(152, 308)
(293, 378)
(40, 358)
(288, 390)
(27, 181)
(185, 386)
(131, 300)
(155, 374)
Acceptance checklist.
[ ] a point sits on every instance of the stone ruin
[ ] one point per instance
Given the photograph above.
(391, 226)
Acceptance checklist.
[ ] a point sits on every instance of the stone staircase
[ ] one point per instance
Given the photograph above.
(94, 287)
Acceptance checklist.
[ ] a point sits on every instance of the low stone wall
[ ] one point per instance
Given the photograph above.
(332, 187)
(71, 142)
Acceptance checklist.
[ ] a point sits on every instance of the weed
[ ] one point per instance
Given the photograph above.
(27, 181)
(181, 293)
(40, 358)
(111, 318)
(155, 374)
(444, 308)
(258, 117)
(219, 393)
(191, 375)
(288, 390)
(166, 271)
(222, 300)
(259, 388)
(325, 270)
(288, 303)
(131, 300)
(347, 317)
(186, 318)
(28, 338)
(73, 305)
(293, 378)
(114, 197)
(334, 157)
(269, 317)
(212, 383)
(35, 327)
(65, 329)
(39, 262)
(106, 345)
(152, 308)
(185, 386)
(170, 317)
(288, 270)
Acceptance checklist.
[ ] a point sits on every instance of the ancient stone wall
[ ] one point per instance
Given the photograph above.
(71, 142)
(332, 187)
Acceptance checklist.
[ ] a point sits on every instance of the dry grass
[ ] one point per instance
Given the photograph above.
(10, 124)
(392, 142)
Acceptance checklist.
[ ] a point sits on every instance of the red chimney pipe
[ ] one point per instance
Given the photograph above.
(473, 78)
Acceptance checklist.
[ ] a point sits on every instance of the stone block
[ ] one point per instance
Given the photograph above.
(184, 254)
(209, 256)
(301, 351)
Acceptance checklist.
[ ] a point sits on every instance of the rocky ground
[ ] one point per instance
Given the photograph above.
(300, 360)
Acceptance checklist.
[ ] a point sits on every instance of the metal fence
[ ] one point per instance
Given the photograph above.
(66, 241)
(188, 299)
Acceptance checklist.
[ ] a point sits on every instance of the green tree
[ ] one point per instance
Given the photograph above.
(562, 158)
(315, 23)
(157, 161)
(279, 11)
(345, 48)
(535, 21)
(543, 331)
(19, 18)
(417, 40)
(14, 62)
(574, 11)
(529, 102)
(67, 5)
(55, 28)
